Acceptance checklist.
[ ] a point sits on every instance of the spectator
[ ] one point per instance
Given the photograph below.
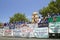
(48, 15)
(58, 14)
(46, 20)
(54, 19)
(11, 26)
(42, 20)
(39, 20)
(5, 24)
(53, 15)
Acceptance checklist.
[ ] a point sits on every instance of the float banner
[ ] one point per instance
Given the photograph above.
(41, 32)
(54, 27)
(8, 32)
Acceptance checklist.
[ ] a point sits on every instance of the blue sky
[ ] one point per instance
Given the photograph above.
(9, 7)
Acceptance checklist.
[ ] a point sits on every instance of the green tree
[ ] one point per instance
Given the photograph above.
(18, 17)
(53, 7)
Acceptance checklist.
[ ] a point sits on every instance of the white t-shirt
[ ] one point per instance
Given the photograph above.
(39, 20)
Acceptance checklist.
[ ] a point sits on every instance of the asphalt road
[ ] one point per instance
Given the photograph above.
(17, 38)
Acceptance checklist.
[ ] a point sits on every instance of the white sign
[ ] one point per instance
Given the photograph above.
(26, 31)
(41, 32)
(54, 27)
(8, 32)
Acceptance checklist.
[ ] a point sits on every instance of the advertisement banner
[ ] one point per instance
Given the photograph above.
(1, 32)
(41, 32)
(8, 32)
(54, 27)
(16, 32)
(26, 32)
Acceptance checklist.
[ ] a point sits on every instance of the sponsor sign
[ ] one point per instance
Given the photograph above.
(8, 32)
(41, 32)
(54, 27)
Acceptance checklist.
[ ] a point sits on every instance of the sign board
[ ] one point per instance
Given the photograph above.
(54, 27)
(25, 31)
(8, 32)
(41, 32)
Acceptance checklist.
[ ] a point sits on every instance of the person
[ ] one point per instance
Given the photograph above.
(46, 20)
(42, 21)
(48, 15)
(58, 14)
(5, 24)
(54, 19)
(11, 26)
(39, 20)
(54, 15)
(56, 27)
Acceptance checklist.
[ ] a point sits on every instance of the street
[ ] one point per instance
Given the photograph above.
(17, 38)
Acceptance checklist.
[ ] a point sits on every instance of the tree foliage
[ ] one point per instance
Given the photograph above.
(18, 17)
(53, 7)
